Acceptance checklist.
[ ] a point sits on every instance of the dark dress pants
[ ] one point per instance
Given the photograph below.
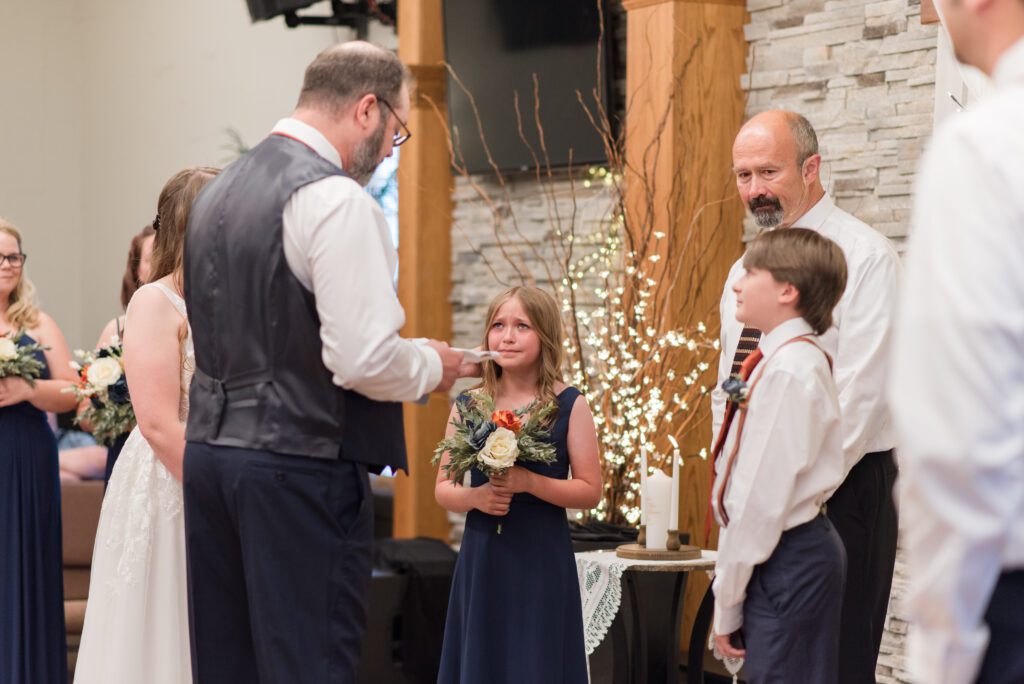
(279, 555)
(864, 513)
(791, 612)
(1004, 659)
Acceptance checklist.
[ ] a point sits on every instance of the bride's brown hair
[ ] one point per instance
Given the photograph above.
(173, 210)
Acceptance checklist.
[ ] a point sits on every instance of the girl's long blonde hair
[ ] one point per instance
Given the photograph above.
(22, 311)
(545, 317)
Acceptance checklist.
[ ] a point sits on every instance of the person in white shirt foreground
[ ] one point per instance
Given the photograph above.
(778, 175)
(781, 564)
(957, 386)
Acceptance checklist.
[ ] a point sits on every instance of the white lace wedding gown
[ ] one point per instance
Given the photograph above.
(136, 619)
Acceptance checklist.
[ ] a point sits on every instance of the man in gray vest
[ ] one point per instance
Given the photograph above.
(288, 282)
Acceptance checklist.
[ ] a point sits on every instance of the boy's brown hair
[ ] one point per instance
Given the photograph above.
(813, 264)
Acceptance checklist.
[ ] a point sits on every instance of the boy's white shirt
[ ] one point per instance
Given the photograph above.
(789, 462)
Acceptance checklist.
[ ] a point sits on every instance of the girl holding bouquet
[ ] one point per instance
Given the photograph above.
(31, 566)
(140, 256)
(514, 614)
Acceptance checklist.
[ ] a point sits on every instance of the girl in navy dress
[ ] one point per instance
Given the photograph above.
(32, 639)
(136, 274)
(514, 614)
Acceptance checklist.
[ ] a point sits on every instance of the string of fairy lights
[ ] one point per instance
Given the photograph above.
(640, 382)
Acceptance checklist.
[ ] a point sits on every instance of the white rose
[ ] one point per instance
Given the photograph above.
(8, 349)
(104, 372)
(500, 450)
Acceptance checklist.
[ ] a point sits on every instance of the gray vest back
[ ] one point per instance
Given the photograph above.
(260, 380)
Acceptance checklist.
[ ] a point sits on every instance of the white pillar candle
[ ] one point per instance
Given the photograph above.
(643, 484)
(673, 522)
(658, 497)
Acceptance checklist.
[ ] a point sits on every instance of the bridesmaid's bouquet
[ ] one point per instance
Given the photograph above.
(494, 441)
(19, 361)
(101, 380)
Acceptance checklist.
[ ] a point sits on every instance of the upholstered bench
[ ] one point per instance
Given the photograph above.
(80, 514)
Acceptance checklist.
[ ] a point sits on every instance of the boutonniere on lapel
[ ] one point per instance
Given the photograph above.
(737, 390)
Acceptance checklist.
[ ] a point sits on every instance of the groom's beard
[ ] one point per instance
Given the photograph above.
(767, 211)
(366, 157)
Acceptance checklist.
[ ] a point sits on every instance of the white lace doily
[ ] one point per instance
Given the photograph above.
(600, 575)
(601, 595)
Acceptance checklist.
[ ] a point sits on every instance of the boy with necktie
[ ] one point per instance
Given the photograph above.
(778, 457)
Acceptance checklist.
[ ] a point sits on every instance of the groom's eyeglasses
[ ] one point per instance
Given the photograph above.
(405, 133)
(16, 260)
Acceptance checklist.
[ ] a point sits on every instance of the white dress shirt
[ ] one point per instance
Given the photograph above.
(957, 385)
(790, 459)
(860, 339)
(337, 243)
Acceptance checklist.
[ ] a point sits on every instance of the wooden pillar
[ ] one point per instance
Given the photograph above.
(684, 107)
(424, 255)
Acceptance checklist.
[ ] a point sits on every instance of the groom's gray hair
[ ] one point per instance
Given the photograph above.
(342, 74)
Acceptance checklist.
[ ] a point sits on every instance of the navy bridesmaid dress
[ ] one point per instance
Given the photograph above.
(514, 613)
(32, 639)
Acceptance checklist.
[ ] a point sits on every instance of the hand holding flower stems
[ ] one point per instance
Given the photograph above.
(490, 500)
(14, 390)
(513, 481)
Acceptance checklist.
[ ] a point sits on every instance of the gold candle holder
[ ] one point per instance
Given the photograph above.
(672, 542)
(641, 537)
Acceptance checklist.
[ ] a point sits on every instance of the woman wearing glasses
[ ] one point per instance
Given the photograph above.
(31, 580)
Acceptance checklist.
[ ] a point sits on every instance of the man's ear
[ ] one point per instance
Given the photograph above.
(812, 168)
(363, 111)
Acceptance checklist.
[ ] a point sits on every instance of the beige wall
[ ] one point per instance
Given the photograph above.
(40, 183)
(102, 100)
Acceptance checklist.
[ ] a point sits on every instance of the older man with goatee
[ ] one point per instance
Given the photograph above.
(777, 169)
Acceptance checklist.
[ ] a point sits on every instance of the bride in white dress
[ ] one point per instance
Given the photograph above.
(136, 620)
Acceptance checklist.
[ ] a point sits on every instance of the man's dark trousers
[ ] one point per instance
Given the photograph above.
(298, 530)
(864, 513)
(1004, 659)
(791, 612)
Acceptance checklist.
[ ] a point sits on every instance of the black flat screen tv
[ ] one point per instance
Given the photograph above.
(261, 10)
(495, 47)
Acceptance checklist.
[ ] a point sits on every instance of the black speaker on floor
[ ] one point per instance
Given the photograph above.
(427, 565)
(261, 10)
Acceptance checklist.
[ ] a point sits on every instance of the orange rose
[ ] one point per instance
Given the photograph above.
(507, 419)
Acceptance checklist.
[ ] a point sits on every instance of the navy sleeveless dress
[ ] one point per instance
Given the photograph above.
(32, 640)
(514, 613)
